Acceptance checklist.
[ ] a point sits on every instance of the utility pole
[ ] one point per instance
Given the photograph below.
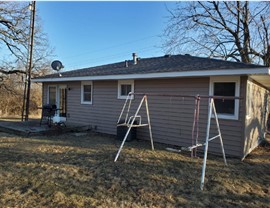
(31, 45)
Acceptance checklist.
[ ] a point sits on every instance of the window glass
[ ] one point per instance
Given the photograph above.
(52, 95)
(87, 93)
(224, 106)
(63, 102)
(125, 89)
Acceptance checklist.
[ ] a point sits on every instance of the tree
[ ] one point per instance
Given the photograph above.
(231, 30)
(14, 41)
(11, 94)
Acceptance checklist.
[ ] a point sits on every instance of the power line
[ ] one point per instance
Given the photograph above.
(113, 46)
(90, 62)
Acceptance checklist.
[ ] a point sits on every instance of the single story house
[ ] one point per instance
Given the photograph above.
(94, 96)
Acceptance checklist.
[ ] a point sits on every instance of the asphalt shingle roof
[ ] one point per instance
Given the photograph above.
(174, 63)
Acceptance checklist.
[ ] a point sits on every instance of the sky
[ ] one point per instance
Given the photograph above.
(86, 34)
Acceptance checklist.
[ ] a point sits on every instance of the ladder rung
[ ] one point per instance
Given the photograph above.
(134, 125)
(173, 150)
(137, 125)
(191, 147)
(214, 137)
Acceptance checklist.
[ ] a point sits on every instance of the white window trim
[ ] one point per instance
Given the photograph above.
(86, 83)
(128, 82)
(235, 79)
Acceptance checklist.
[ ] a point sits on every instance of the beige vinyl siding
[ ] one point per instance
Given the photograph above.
(104, 110)
(256, 120)
(171, 117)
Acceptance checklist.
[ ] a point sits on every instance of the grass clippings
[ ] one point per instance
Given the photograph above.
(78, 171)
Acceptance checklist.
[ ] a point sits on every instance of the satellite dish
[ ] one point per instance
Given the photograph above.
(57, 65)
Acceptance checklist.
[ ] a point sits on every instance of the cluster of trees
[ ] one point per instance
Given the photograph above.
(12, 93)
(230, 30)
(14, 46)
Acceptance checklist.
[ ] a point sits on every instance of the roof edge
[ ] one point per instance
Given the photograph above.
(247, 71)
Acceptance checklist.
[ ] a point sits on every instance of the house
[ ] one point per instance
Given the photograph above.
(94, 96)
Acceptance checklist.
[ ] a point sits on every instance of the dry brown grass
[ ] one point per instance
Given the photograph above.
(70, 171)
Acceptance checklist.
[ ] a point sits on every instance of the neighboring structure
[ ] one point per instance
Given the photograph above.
(94, 96)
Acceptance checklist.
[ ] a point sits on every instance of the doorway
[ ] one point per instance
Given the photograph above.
(62, 101)
(57, 95)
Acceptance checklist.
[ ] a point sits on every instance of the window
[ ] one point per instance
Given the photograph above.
(226, 86)
(52, 95)
(86, 92)
(225, 89)
(125, 87)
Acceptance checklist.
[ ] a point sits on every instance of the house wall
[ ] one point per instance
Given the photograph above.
(257, 102)
(104, 110)
(171, 117)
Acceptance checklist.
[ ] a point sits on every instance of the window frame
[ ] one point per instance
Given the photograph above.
(83, 83)
(222, 79)
(125, 82)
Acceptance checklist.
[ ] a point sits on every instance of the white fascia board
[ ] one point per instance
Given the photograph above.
(253, 71)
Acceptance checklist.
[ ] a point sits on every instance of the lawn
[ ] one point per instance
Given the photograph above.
(74, 170)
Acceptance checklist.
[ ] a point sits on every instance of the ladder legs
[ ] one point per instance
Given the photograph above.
(144, 99)
(149, 123)
(211, 109)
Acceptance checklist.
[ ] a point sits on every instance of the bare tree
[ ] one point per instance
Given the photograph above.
(14, 41)
(11, 93)
(231, 30)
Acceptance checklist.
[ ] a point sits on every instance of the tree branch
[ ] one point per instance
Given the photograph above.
(12, 72)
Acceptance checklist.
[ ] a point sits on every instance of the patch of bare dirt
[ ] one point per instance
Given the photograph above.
(78, 171)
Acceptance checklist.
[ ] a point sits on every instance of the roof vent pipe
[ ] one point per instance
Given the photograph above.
(126, 63)
(134, 58)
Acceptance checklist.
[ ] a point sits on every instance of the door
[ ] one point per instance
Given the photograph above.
(52, 95)
(62, 101)
(57, 95)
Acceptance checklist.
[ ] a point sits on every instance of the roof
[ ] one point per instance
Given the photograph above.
(158, 67)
